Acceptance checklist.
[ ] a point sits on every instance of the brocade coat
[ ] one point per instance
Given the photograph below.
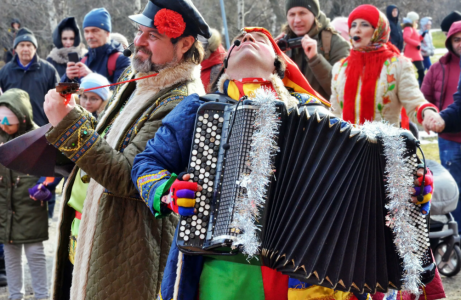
(121, 248)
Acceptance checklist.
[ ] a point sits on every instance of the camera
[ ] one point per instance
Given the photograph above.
(285, 43)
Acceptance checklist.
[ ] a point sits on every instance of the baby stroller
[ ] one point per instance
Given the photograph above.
(443, 235)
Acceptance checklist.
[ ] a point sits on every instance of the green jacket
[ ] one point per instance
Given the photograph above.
(121, 248)
(22, 220)
(318, 70)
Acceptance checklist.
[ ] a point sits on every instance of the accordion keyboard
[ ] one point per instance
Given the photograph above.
(420, 222)
(234, 166)
(202, 167)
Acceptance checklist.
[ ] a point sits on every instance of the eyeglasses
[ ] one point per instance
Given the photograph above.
(90, 99)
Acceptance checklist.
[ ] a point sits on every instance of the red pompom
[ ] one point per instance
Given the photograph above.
(170, 23)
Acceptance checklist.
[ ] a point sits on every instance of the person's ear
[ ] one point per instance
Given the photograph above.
(186, 43)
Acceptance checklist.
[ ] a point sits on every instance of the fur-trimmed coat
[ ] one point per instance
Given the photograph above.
(59, 57)
(397, 87)
(121, 248)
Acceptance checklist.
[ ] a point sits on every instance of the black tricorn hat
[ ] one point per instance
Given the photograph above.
(195, 23)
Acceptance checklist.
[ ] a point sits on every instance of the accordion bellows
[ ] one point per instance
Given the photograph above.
(324, 217)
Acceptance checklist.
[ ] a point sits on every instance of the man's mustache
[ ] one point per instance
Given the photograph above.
(144, 49)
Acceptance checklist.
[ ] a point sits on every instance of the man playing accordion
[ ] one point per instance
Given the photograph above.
(253, 63)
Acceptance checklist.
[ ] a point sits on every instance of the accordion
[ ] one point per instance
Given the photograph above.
(324, 218)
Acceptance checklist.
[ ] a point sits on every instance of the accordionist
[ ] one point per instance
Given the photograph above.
(254, 62)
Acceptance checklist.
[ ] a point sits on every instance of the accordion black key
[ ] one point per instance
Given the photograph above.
(324, 220)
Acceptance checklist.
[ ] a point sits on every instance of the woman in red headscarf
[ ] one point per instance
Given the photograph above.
(375, 81)
(373, 84)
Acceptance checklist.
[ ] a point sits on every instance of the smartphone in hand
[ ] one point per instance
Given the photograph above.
(73, 57)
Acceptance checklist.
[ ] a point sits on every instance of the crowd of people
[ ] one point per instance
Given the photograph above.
(130, 139)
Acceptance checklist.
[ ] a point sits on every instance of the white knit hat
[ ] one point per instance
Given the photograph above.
(413, 16)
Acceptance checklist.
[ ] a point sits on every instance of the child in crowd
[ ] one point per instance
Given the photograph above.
(96, 100)
(23, 221)
(427, 47)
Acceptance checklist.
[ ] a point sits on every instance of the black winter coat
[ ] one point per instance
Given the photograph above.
(396, 30)
(22, 220)
(37, 81)
(97, 61)
(58, 56)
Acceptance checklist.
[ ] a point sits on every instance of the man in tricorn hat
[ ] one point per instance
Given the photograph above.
(117, 249)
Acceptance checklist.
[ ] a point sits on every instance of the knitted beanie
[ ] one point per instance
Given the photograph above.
(312, 5)
(98, 17)
(414, 17)
(453, 17)
(7, 117)
(94, 80)
(25, 35)
(367, 12)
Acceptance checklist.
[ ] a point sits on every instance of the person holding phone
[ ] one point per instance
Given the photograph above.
(104, 56)
(67, 40)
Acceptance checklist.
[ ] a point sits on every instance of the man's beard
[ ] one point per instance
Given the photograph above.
(146, 66)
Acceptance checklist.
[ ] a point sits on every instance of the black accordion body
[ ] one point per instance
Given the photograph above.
(324, 218)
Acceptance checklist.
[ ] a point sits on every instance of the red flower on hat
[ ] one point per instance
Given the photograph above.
(170, 23)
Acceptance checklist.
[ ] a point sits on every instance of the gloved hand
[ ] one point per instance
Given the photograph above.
(418, 47)
(427, 192)
(181, 198)
(424, 33)
(40, 193)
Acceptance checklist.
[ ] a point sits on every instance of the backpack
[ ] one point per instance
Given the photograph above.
(111, 62)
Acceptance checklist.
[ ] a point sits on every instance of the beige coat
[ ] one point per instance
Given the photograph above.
(397, 87)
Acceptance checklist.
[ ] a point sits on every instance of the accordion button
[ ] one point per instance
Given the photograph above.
(192, 164)
(199, 226)
(209, 135)
(202, 144)
(215, 122)
(182, 228)
(197, 135)
(200, 182)
(220, 124)
(212, 140)
(205, 116)
(187, 231)
(216, 116)
(213, 165)
(195, 147)
(197, 233)
(207, 168)
(194, 223)
(211, 177)
(199, 221)
(208, 131)
(183, 222)
(181, 234)
(199, 124)
(204, 225)
(217, 143)
(194, 218)
(204, 185)
(202, 203)
(197, 141)
(186, 238)
(216, 148)
(209, 195)
(205, 218)
(218, 131)
(190, 170)
(218, 137)
(203, 230)
(200, 118)
(207, 206)
(212, 171)
(206, 178)
(202, 236)
(200, 209)
(206, 213)
(202, 138)
(214, 128)
(192, 236)
(200, 215)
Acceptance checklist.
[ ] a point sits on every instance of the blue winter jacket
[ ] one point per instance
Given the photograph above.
(97, 61)
(452, 114)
